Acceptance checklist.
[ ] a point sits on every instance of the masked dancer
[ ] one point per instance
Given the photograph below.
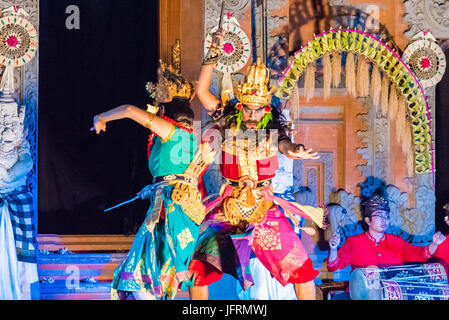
(246, 218)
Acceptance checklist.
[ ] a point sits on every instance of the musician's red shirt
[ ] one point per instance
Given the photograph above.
(361, 251)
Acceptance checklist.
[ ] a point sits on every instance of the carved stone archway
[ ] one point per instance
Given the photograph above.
(416, 222)
(361, 43)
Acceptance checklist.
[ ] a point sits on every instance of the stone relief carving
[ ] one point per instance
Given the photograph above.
(26, 84)
(416, 225)
(348, 201)
(382, 145)
(275, 20)
(366, 138)
(237, 5)
(212, 10)
(312, 180)
(398, 203)
(430, 15)
(14, 148)
(426, 206)
(305, 196)
(377, 140)
(334, 3)
(328, 159)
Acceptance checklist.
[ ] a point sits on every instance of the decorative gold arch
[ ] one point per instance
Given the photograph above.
(398, 91)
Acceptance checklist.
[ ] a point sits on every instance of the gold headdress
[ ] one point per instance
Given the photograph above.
(255, 90)
(170, 83)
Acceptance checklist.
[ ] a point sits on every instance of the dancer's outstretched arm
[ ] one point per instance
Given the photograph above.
(208, 100)
(158, 125)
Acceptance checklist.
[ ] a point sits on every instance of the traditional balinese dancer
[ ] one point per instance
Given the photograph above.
(157, 263)
(246, 218)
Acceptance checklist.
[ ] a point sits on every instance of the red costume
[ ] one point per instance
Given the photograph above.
(442, 251)
(234, 228)
(361, 251)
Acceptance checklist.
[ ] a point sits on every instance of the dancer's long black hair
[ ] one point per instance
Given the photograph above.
(179, 110)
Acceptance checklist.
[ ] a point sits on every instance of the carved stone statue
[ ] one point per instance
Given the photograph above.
(18, 254)
(15, 157)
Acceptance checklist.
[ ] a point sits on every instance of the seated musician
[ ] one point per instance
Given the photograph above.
(374, 246)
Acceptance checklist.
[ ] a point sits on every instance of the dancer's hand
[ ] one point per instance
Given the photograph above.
(99, 124)
(145, 193)
(300, 153)
(334, 241)
(217, 37)
(215, 50)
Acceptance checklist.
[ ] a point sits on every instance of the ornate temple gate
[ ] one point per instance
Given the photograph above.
(352, 138)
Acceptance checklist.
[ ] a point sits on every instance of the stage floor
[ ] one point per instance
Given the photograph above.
(80, 267)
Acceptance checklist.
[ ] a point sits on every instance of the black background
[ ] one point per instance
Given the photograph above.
(83, 72)
(442, 149)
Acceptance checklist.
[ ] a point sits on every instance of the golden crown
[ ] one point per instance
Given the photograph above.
(255, 90)
(170, 83)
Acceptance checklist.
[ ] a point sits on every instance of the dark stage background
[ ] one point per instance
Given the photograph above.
(84, 72)
(442, 149)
